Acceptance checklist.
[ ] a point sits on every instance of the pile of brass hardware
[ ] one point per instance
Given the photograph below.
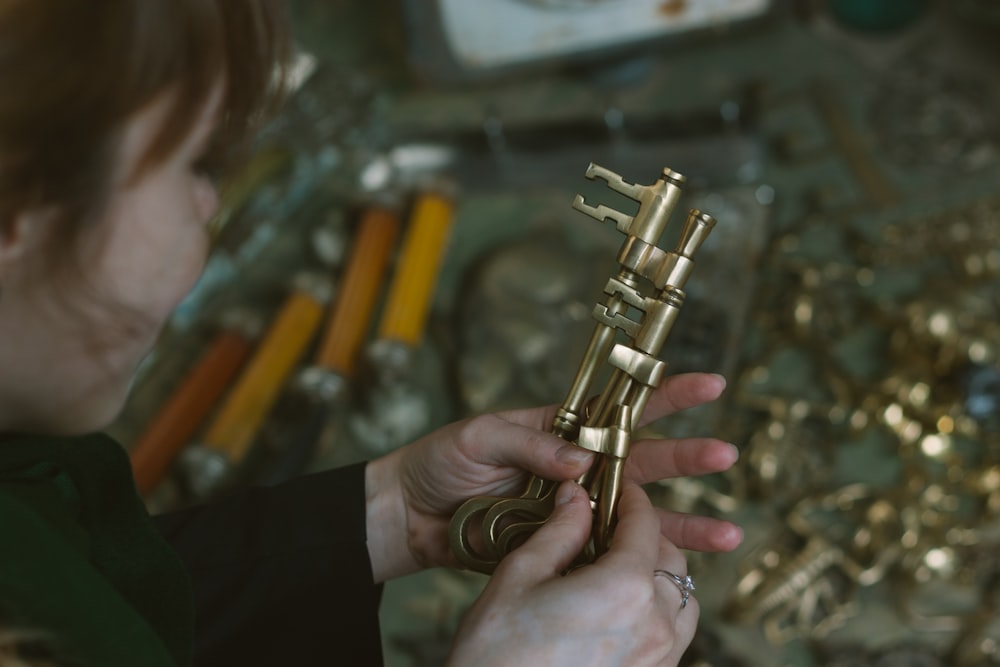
(650, 288)
(917, 515)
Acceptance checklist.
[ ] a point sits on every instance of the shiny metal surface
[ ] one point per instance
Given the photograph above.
(642, 301)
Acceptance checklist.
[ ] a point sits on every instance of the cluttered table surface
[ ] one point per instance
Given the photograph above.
(850, 292)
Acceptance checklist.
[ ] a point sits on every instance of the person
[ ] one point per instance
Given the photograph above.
(109, 113)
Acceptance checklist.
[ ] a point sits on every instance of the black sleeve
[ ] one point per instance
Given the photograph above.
(281, 574)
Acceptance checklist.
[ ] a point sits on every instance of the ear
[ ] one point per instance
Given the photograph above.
(20, 234)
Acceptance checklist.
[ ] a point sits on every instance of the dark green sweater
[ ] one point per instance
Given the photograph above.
(268, 576)
(80, 558)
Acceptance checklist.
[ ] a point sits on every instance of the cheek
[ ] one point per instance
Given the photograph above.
(189, 265)
(176, 272)
(153, 257)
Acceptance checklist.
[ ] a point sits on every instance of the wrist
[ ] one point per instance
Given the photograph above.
(386, 520)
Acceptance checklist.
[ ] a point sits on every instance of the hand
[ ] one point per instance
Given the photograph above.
(413, 491)
(613, 612)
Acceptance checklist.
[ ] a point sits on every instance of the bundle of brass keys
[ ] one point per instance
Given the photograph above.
(648, 287)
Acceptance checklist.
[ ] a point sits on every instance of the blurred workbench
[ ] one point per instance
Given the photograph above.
(851, 294)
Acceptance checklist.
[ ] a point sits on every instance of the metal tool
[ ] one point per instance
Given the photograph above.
(648, 287)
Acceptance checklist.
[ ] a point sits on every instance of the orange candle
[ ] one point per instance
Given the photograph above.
(359, 291)
(187, 408)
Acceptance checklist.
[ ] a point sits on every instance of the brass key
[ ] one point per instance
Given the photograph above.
(642, 303)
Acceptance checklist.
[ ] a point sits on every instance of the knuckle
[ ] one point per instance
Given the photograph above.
(516, 565)
(471, 434)
(636, 591)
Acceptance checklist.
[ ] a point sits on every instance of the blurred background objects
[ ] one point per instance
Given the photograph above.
(850, 290)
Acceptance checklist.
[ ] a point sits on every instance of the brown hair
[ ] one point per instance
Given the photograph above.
(72, 73)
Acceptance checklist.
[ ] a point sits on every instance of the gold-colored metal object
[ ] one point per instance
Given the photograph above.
(978, 643)
(642, 304)
(806, 585)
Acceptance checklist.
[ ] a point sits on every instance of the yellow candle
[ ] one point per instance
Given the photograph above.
(408, 302)
(239, 418)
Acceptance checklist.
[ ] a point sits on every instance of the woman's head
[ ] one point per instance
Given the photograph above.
(73, 72)
(109, 110)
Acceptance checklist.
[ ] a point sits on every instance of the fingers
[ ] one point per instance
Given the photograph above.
(496, 440)
(677, 597)
(525, 441)
(699, 533)
(553, 547)
(638, 537)
(671, 561)
(637, 534)
(653, 460)
(675, 393)
(500, 442)
(680, 392)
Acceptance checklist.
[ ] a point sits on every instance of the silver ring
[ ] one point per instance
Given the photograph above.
(685, 584)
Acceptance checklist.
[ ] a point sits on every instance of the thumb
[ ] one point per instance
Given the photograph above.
(551, 549)
(541, 453)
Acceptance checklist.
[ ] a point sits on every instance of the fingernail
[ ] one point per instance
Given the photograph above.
(567, 491)
(573, 455)
(722, 379)
(736, 451)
